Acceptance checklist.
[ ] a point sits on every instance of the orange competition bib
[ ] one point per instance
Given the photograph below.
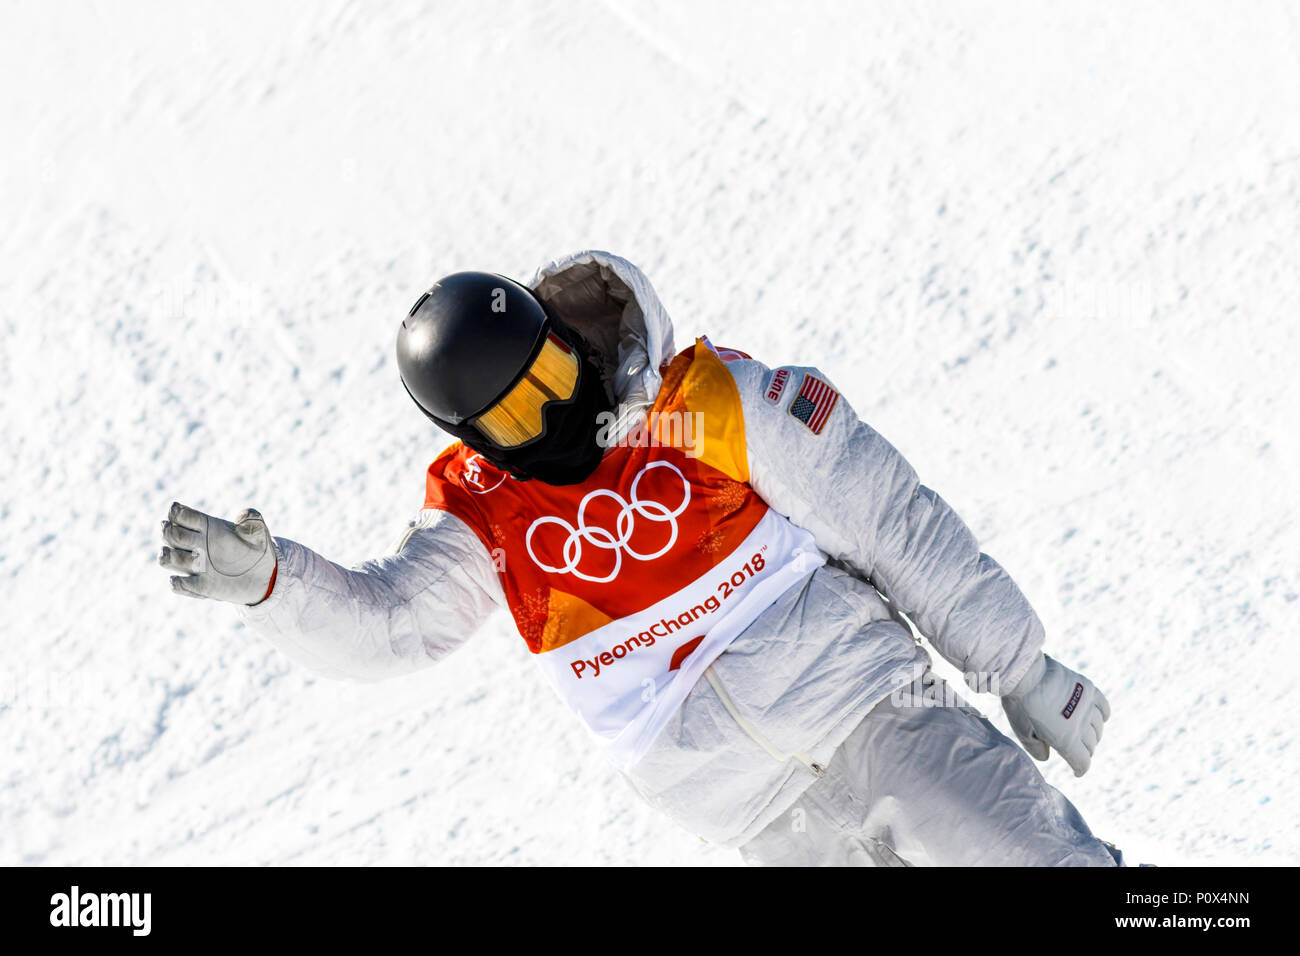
(628, 585)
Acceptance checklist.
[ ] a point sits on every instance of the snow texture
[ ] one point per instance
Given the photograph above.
(1050, 251)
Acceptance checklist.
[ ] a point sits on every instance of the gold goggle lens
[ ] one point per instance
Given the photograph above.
(517, 417)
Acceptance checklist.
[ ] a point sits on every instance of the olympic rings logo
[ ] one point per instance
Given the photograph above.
(616, 540)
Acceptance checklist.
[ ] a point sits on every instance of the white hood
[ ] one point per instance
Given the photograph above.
(611, 303)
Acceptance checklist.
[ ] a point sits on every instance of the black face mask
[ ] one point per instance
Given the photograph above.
(568, 451)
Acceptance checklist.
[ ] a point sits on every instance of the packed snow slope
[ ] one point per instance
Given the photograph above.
(1049, 251)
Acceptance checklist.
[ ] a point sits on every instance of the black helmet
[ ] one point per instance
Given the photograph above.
(490, 363)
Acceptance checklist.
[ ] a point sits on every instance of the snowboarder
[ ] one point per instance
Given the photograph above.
(714, 563)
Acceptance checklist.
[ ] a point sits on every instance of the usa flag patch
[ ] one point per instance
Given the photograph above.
(814, 403)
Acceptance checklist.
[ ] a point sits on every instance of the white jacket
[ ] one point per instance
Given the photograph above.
(751, 737)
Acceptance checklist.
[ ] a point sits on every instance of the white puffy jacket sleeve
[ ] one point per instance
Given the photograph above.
(387, 616)
(867, 509)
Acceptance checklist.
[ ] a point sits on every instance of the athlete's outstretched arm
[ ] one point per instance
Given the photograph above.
(384, 617)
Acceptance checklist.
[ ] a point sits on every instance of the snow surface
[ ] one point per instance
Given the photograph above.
(1050, 251)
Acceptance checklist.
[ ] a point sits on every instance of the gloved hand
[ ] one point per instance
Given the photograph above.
(219, 559)
(1055, 707)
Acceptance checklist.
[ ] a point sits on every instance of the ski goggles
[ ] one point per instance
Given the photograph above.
(518, 416)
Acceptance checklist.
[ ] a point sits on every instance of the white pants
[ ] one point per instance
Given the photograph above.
(929, 786)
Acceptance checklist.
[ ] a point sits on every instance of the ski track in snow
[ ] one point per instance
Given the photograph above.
(1049, 253)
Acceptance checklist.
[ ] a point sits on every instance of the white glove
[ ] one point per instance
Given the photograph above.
(1055, 707)
(218, 559)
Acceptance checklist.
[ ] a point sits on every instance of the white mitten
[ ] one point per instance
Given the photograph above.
(228, 561)
(1060, 709)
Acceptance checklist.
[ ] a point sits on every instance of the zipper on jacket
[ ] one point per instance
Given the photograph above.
(748, 727)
